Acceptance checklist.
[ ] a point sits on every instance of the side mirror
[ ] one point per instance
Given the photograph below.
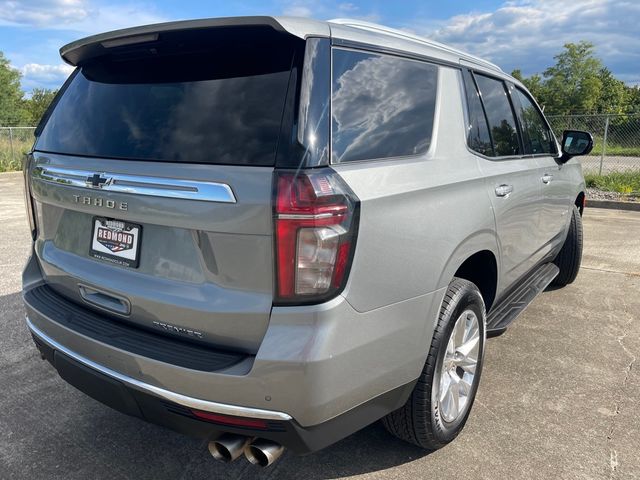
(575, 143)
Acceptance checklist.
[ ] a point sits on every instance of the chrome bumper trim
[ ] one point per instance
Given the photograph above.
(174, 397)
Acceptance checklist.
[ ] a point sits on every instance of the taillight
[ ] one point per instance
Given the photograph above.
(28, 200)
(315, 233)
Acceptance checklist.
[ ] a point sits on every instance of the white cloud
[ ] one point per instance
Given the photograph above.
(43, 12)
(85, 16)
(46, 72)
(347, 7)
(527, 33)
(326, 10)
(35, 75)
(298, 10)
(104, 18)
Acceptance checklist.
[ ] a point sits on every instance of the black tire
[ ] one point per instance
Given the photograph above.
(420, 421)
(570, 256)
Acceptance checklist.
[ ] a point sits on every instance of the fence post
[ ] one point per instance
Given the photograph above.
(604, 143)
(11, 145)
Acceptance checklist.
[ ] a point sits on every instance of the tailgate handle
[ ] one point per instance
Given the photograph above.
(105, 301)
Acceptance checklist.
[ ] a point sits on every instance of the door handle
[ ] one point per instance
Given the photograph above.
(504, 190)
(546, 178)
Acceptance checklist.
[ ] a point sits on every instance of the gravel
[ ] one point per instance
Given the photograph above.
(596, 194)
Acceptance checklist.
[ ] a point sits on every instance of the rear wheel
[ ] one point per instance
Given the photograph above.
(570, 256)
(441, 401)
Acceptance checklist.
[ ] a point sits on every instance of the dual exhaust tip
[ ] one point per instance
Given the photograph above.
(229, 447)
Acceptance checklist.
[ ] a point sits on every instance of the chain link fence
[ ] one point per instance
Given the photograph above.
(15, 142)
(616, 140)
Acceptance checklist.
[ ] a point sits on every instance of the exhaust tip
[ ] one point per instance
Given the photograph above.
(220, 452)
(227, 447)
(263, 452)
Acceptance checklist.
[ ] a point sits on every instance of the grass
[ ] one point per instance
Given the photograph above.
(11, 162)
(615, 150)
(627, 183)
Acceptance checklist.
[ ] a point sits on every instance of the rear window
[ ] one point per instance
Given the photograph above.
(500, 116)
(478, 137)
(215, 98)
(382, 106)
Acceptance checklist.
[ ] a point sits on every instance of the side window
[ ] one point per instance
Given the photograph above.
(478, 137)
(500, 116)
(382, 106)
(536, 135)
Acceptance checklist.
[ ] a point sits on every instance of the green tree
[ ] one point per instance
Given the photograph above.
(613, 95)
(12, 107)
(632, 96)
(534, 84)
(39, 102)
(574, 84)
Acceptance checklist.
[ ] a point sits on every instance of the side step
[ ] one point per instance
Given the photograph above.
(512, 305)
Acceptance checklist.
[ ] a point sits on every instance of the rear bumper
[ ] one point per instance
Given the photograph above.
(174, 410)
(49, 349)
(321, 372)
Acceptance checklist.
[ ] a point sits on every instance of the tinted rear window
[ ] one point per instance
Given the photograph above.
(382, 106)
(478, 137)
(501, 121)
(217, 100)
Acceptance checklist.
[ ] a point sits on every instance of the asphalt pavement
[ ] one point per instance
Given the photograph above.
(559, 396)
(610, 163)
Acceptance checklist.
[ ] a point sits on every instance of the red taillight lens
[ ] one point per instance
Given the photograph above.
(315, 232)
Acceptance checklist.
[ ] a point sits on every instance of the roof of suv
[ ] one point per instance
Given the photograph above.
(344, 29)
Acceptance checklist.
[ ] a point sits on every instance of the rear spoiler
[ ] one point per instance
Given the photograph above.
(75, 53)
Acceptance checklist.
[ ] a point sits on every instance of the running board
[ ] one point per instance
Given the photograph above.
(501, 316)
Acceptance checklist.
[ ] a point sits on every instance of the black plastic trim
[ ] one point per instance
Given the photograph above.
(121, 335)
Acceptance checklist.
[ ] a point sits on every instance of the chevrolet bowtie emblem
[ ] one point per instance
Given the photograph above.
(97, 181)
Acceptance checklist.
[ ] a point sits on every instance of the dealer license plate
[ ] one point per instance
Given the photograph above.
(116, 241)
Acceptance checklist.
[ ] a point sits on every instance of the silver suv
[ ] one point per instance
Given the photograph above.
(272, 232)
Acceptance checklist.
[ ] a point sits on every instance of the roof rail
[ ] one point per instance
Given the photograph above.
(374, 27)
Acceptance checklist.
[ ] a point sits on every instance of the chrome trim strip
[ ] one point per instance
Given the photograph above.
(190, 402)
(137, 185)
(306, 216)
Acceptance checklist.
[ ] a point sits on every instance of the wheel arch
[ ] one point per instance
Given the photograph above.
(580, 202)
(481, 269)
(476, 260)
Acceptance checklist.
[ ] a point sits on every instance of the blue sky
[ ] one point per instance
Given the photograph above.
(521, 34)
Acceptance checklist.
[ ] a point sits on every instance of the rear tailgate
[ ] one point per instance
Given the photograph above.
(152, 181)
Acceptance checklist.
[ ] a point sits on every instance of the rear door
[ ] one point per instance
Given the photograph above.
(152, 178)
(556, 183)
(509, 177)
